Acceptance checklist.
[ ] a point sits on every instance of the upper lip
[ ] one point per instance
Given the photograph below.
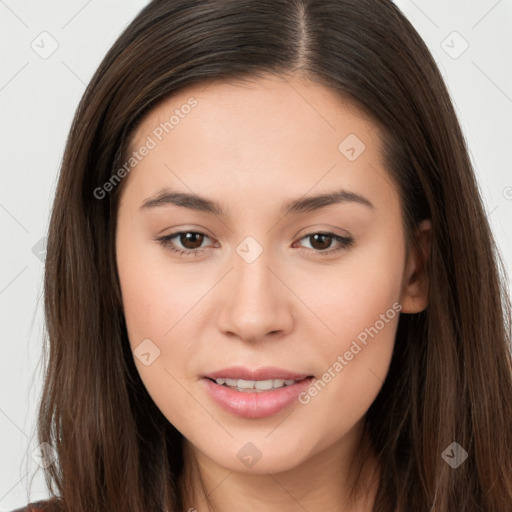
(266, 373)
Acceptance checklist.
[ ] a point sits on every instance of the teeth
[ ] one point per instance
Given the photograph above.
(268, 384)
(257, 385)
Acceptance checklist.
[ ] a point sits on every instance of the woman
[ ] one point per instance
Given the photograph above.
(270, 280)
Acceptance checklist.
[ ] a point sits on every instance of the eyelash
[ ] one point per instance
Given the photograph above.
(345, 243)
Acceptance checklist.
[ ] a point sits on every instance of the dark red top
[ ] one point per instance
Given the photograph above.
(49, 505)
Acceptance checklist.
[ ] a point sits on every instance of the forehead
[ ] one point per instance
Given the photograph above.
(277, 107)
(283, 133)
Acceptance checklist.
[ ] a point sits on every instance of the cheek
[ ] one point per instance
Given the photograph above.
(156, 301)
(352, 295)
(361, 310)
(157, 297)
(156, 293)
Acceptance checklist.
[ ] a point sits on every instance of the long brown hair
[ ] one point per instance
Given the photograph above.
(450, 378)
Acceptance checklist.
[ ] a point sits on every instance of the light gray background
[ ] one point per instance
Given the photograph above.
(38, 97)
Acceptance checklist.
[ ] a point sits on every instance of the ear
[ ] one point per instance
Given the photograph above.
(415, 283)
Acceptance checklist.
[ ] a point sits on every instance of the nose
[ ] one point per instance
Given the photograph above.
(257, 302)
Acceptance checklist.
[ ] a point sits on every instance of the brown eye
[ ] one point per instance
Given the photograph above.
(321, 241)
(185, 243)
(191, 240)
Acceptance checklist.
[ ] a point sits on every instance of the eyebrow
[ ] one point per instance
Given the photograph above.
(305, 204)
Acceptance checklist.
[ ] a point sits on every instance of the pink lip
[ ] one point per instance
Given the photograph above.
(269, 372)
(254, 405)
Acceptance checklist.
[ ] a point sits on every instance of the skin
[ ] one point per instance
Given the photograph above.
(252, 147)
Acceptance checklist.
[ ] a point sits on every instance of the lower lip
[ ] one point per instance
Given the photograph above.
(255, 405)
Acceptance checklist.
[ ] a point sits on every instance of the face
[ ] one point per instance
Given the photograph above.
(313, 291)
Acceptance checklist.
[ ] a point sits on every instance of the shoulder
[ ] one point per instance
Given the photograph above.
(49, 505)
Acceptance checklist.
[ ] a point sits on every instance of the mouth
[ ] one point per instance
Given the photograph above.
(256, 386)
(255, 398)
